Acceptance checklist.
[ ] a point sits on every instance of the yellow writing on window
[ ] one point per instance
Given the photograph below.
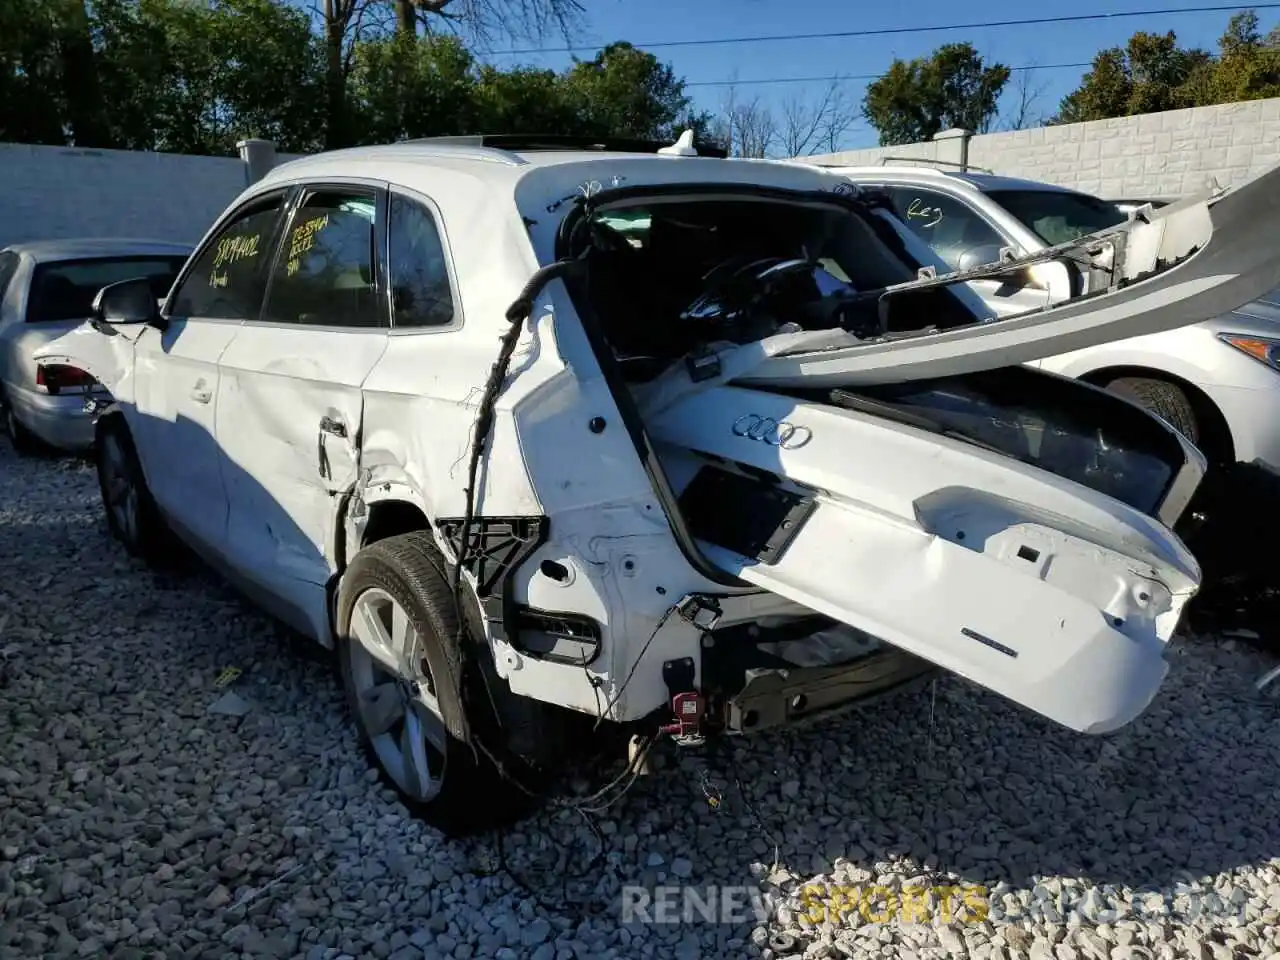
(218, 280)
(302, 240)
(234, 249)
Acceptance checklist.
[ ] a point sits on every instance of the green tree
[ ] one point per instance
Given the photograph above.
(195, 78)
(32, 95)
(625, 92)
(1248, 65)
(952, 87)
(523, 100)
(407, 86)
(1151, 72)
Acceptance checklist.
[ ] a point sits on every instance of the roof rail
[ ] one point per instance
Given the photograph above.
(523, 142)
(964, 167)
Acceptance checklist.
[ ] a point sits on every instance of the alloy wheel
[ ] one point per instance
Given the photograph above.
(394, 695)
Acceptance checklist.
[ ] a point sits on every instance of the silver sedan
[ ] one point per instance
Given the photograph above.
(46, 290)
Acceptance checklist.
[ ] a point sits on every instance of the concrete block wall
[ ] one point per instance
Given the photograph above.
(1166, 154)
(47, 192)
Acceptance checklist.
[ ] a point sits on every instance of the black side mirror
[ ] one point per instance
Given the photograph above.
(127, 303)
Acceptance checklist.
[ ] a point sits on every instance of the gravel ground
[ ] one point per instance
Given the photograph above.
(137, 823)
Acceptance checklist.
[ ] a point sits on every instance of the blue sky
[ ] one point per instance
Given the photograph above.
(643, 21)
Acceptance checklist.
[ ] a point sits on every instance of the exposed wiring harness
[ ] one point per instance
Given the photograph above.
(519, 311)
(634, 666)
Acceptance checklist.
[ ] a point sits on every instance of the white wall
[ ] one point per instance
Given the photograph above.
(48, 192)
(1157, 155)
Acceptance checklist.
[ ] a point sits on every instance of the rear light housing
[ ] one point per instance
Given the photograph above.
(56, 377)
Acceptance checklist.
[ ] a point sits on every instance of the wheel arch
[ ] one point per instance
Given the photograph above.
(362, 520)
(1221, 443)
(390, 517)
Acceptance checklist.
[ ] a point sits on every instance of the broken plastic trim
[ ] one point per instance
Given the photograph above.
(750, 515)
(570, 639)
(494, 549)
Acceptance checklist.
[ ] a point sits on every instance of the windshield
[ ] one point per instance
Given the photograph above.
(1059, 216)
(64, 290)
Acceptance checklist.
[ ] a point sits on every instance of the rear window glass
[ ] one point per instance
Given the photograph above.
(8, 267)
(65, 291)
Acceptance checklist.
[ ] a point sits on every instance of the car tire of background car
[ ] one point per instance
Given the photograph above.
(22, 439)
(132, 515)
(411, 692)
(1162, 398)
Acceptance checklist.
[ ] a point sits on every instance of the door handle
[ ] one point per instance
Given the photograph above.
(335, 428)
(200, 393)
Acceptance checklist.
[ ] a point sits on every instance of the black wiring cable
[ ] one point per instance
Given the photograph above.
(635, 665)
(583, 909)
(519, 311)
(915, 28)
(847, 77)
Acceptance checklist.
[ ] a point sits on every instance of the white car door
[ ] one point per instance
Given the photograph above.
(175, 389)
(290, 406)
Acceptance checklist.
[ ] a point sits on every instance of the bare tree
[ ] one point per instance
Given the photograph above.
(342, 22)
(482, 20)
(1026, 94)
(810, 126)
(747, 126)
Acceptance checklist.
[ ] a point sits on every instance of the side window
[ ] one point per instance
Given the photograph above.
(324, 274)
(948, 225)
(8, 267)
(420, 291)
(225, 282)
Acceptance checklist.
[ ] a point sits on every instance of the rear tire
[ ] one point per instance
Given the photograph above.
(132, 515)
(411, 690)
(1165, 400)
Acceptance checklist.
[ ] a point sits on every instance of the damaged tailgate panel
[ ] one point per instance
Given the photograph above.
(1057, 597)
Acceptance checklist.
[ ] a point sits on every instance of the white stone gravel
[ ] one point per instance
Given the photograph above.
(135, 822)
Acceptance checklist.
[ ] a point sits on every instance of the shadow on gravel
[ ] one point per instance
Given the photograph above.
(992, 793)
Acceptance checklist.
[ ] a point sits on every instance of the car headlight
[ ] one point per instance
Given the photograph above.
(1264, 349)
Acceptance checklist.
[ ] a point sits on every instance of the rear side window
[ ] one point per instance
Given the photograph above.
(8, 267)
(950, 226)
(324, 274)
(225, 282)
(421, 294)
(65, 290)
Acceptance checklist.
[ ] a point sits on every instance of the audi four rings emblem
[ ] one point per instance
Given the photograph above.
(776, 433)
